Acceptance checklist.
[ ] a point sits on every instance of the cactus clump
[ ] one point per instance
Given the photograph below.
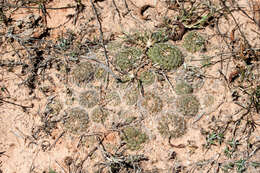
(152, 103)
(133, 137)
(76, 120)
(183, 88)
(172, 125)
(193, 42)
(188, 105)
(88, 98)
(83, 73)
(99, 115)
(54, 107)
(113, 98)
(147, 77)
(167, 56)
(127, 58)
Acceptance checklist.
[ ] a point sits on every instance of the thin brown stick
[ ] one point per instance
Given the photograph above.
(117, 10)
(175, 146)
(63, 170)
(54, 143)
(22, 106)
(49, 8)
(169, 82)
(101, 39)
(92, 151)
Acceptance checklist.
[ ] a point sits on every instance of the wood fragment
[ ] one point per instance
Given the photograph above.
(177, 35)
(101, 38)
(143, 9)
(233, 75)
(175, 146)
(172, 5)
(232, 35)
(55, 142)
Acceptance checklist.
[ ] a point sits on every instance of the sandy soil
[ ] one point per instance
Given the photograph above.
(34, 137)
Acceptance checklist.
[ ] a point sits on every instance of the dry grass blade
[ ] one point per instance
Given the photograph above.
(256, 11)
(118, 162)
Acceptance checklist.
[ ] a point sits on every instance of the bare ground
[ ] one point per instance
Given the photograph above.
(43, 44)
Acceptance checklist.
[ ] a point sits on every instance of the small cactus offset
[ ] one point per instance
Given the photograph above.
(183, 88)
(147, 77)
(131, 96)
(152, 103)
(99, 115)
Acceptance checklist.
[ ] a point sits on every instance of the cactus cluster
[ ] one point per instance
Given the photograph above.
(188, 105)
(172, 125)
(127, 58)
(167, 56)
(193, 42)
(152, 103)
(88, 98)
(76, 120)
(82, 74)
(133, 137)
